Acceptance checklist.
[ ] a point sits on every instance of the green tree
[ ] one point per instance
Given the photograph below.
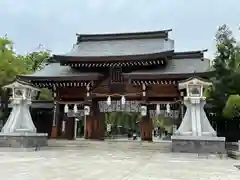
(10, 64)
(35, 61)
(232, 107)
(226, 80)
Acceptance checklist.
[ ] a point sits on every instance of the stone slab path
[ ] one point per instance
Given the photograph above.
(86, 164)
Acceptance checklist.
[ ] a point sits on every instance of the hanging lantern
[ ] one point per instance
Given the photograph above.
(66, 108)
(144, 93)
(144, 89)
(158, 109)
(143, 110)
(88, 94)
(123, 100)
(168, 108)
(86, 110)
(75, 109)
(88, 89)
(109, 101)
(63, 126)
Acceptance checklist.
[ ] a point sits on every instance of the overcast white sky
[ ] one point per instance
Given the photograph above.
(54, 23)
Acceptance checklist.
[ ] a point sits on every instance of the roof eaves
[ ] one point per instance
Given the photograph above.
(189, 54)
(69, 58)
(62, 78)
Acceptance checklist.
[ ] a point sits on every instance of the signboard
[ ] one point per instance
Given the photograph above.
(173, 113)
(79, 113)
(129, 106)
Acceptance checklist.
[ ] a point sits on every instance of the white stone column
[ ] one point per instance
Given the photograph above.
(75, 128)
(193, 120)
(197, 118)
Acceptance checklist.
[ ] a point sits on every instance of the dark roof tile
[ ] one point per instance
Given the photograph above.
(55, 71)
(121, 47)
(175, 67)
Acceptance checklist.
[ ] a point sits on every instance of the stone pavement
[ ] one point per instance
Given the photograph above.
(86, 164)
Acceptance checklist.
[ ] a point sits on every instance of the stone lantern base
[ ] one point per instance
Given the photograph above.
(23, 140)
(198, 144)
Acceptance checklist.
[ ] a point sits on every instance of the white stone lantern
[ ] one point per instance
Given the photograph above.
(195, 134)
(20, 119)
(195, 121)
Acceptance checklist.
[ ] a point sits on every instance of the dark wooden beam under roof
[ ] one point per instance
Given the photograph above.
(122, 36)
(160, 61)
(166, 78)
(177, 76)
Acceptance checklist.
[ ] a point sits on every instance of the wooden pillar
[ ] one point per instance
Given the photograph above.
(88, 126)
(146, 127)
(93, 128)
(101, 119)
(70, 128)
(57, 114)
(55, 121)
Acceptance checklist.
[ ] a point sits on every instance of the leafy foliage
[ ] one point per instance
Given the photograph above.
(12, 64)
(122, 119)
(226, 80)
(232, 106)
(36, 60)
(45, 94)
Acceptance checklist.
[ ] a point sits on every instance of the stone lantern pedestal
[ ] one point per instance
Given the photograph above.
(195, 134)
(19, 130)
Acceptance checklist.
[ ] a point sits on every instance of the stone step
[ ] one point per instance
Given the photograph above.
(233, 150)
(234, 154)
(160, 146)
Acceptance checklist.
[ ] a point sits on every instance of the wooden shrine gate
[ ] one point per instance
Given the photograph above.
(94, 126)
(142, 66)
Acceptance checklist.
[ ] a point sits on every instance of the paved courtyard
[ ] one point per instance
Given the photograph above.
(84, 164)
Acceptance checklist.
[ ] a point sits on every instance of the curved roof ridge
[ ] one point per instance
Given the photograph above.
(124, 35)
